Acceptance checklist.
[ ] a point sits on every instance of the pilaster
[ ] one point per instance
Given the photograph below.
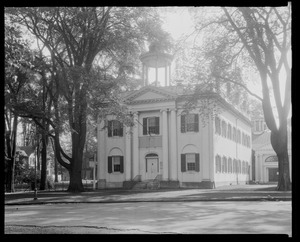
(165, 144)
(135, 142)
(173, 146)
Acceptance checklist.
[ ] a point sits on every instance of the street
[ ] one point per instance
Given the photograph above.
(265, 217)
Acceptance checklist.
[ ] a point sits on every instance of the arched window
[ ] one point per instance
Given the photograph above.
(234, 134)
(238, 136)
(229, 165)
(239, 166)
(218, 163)
(229, 134)
(234, 166)
(224, 164)
(218, 125)
(224, 128)
(152, 155)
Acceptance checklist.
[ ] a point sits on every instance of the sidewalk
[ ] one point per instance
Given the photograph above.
(225, 193)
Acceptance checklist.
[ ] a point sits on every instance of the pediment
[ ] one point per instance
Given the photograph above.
(149, 94)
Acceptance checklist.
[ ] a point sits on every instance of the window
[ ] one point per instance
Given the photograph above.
(229, 135)
(224, 164)
(115, 128)
(151, 125)
(229, 165)
(218, 163)
(189, 123)
(224, 128)
(234, 134)
(239, 169)
(115, 164)
(238, 136)
(218, 126)
(190, 162)
(243, 167)
(246, 167)
(234, 166)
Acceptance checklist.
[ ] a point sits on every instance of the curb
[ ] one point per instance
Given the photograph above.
(275, 199)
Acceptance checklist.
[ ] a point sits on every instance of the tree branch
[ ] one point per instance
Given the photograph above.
(241, 85)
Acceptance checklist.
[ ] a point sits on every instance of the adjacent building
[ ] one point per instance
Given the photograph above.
(265, 161)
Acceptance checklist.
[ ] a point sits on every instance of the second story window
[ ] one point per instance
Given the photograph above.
(151, 125)
(189, 123)
(224, 128)
(115, 128)
(218, 126)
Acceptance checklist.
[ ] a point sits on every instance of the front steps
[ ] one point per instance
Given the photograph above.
(147, 184)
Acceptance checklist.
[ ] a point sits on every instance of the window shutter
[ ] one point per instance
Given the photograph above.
(157, 124)
(122, 164)
(110, 164)
(196, 123)
(109, 126)
(182, 123)
(144, 126)
(121, 130)
(197, 162)
(183, 166)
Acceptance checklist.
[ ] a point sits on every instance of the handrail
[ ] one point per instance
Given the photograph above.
(137, 178)
(158, 178)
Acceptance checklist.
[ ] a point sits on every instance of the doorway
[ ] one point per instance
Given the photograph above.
(273, 174)
(152, 168)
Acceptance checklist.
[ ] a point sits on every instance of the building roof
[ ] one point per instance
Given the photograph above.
(178, 93)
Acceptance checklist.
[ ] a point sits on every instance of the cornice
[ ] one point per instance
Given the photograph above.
(167, 95)
(157, 100)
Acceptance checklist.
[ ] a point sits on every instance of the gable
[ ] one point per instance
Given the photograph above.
(149, 95)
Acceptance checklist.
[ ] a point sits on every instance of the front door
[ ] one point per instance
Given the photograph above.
(273, 174)
(152, 168)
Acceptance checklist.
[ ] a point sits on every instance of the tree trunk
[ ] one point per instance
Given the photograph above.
(44, 163)
(75, 184)
(279, 141)
(55, 170)
(284, 182)
(11, 152)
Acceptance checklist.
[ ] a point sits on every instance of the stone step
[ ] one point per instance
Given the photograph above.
(147, 184)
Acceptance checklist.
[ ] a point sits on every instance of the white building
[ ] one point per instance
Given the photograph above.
(265, 162)
(170, 147)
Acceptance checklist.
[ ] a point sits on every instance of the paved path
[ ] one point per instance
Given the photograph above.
(152, 217)
(226, 193)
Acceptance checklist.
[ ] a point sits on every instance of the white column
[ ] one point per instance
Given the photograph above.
(156, 76)
(101, 154)
(128, 154)
(135, 150)
(170, 75)
(147, 70)
(173, 146)
(165, 145)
